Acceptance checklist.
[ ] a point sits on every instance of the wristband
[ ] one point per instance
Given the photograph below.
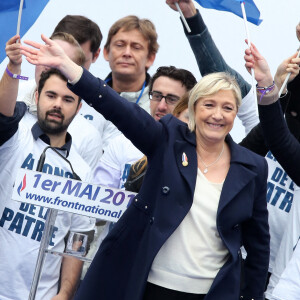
(265, 90)
(15, 76)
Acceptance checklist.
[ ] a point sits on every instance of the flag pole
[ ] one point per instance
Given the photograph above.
(183, 18)
(249, 45)
(287, 78)
(19, 17)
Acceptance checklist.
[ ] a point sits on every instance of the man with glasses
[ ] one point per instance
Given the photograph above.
(168, 85)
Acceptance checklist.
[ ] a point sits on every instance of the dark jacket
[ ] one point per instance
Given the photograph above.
(282, 143)
(121, 266)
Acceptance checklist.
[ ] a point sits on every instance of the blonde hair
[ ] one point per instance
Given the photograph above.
(67, 37)
(208, 86)
(181, 105)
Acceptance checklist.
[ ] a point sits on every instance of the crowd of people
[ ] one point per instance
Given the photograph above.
(212, 219)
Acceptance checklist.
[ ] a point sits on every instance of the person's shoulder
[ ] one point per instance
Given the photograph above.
(170, 119)
(91, 115)
(173, 124)
(119, 150)
(80, 126)
(247, 156)
(80, 166)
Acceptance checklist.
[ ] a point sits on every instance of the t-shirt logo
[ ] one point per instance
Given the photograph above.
(22, 185)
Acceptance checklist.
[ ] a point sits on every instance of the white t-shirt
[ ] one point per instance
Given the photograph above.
(285, 279)
(21, 225)
(288, 286)
(247, 112)
(106, 129)
(113, 168)
(280, 195)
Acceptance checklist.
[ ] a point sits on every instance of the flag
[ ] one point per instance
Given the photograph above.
(10, 5)
(234, 6)
(9, 11)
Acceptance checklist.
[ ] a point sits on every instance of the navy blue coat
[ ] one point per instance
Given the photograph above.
(121, 266)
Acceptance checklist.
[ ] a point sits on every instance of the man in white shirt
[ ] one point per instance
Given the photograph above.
(86, 138)
(21, 225)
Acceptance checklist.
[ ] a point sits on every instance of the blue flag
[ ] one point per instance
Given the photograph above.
(9, 11)
(10, 5)
(234, 6)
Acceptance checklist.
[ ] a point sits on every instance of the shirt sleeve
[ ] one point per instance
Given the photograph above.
(9, 125)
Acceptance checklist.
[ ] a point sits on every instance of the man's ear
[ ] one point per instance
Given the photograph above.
(79, 106)
(36, 96)
(96, 55)
(150, 60)
(105, 54)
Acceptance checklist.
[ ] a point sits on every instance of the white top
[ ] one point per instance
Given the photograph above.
(247, 112)
(113, 168)
(285, 278)
(280, 195)
(192, 256)
(288, 287)
(21, 224)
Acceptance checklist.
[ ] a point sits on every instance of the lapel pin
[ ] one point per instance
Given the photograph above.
(184, 159)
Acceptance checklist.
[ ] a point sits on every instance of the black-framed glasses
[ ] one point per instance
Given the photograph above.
(157, 96)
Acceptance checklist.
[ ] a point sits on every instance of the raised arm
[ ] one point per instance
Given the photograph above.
(53, 56)
(9, 85)
(208, 56)
(281, 142)
(210, 59)
(136, 124)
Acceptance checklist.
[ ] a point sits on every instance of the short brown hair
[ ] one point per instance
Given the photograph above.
(63, 36)
(144, 26)
(83, 30)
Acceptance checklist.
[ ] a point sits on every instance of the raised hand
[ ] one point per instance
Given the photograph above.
(261, 68)
(13, 51)
(289, 65)
(50, 54)
(187, 7)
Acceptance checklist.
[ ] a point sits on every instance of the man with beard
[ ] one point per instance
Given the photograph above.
(21, 224)
(89, 146)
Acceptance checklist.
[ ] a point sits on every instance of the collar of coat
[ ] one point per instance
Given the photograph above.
(238, 153)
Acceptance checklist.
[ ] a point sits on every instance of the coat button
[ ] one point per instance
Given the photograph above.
(165, 190)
